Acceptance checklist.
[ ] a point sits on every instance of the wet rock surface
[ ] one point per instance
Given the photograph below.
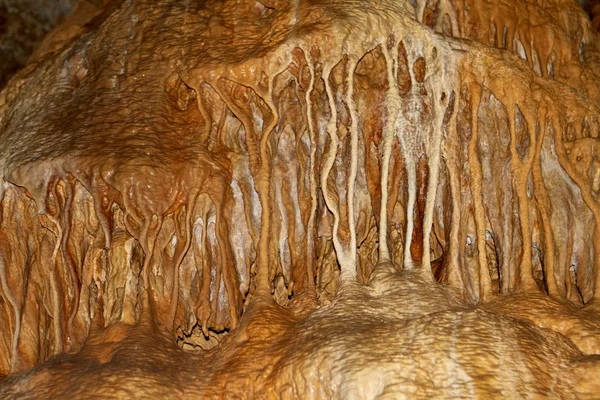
(303, 200)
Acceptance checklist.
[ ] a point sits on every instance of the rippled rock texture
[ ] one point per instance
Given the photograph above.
(334, 199)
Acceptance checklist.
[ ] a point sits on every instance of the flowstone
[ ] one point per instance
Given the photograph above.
(293, 199)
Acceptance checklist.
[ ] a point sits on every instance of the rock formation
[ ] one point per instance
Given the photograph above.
(304, 199)
(23, 24)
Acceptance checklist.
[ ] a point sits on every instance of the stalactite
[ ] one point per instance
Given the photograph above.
(222, 237)
(585, 193)
(446, 8)
(521, 170)
(16, 333)
(263, 181)
(259, 164)
(128, 312)
(567, 266)
(389, 132)
(421, 4)
(353, 169)
(137, 219)
(205, 309)
(346, 263)
(485, 285)
(56, 303)
(218, 278)
(433, 156)
(411, 178)
(66, 222)
(310, 235)
(101, 214)
(542, 199)
(450, 151)
(180, 253)
(205, 115)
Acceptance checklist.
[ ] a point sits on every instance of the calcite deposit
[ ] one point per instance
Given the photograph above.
(304, 199)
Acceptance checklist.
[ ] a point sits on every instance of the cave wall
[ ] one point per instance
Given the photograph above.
(176, 160)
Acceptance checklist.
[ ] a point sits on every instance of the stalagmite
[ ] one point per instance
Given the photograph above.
(292, 199)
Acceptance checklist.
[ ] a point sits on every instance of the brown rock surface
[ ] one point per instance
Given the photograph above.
(324, 199)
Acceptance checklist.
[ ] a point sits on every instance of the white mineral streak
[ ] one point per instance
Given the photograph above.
(347, 265)
(439, 82)
(353, 167)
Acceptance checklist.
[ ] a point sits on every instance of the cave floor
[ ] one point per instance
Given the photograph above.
(400, 336)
